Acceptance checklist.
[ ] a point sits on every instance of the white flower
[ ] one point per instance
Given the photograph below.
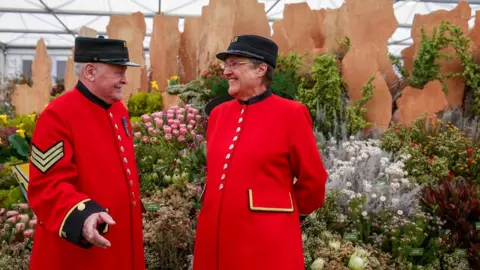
(382, 198)
(364, 213)
(334, 245)
(374, 195)
(395, 201)
(349, 184)
(400, 212)
(318, 264)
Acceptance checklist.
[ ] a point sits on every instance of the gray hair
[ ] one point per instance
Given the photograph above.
(268, 76)
(78, 68)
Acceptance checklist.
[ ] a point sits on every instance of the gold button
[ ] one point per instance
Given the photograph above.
(122, 149)
(235, 138)
(129, 172)
(220, 187)
(81, 207)
(133, 194)
(111, 115)
(125, 160)
(240, 120)
(243, 110)
(225, 166)
(131, 183)
(119, 138)
(231, 146)
(116, 127)
(134, 204)
(223, 176)
(238, 129)
(228, 156)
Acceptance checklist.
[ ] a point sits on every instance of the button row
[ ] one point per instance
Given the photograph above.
(125, 160)
(230, 148)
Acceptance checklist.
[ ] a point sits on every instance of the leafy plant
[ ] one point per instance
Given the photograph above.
(457, 203)
(194, 93)
(355, 113)
(214, 80)
(141, 103)
(286, 78)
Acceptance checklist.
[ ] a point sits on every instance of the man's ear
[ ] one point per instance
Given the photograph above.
(90, 71)
(262, 70)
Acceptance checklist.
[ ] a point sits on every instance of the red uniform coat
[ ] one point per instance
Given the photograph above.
(82, 162)
(251, 207)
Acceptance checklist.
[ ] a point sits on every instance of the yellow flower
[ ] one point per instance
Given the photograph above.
(154, 85)
(175, 77)
(32, 117)
(21, 132)
(20, 125)
(4, 118)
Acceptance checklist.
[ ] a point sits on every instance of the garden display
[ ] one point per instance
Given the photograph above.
(406, 197)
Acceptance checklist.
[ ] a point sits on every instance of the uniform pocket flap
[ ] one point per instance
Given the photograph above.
(268, 201)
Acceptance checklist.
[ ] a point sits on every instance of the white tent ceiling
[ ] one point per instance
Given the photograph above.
(23, 22)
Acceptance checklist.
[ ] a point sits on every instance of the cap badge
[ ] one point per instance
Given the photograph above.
(125, 44)
(235, 39)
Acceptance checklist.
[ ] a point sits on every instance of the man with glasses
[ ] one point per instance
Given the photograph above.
(257, 143)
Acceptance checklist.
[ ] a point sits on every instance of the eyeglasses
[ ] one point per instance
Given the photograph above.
(233, 65)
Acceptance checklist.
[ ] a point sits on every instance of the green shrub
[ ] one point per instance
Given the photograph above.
(143, 103)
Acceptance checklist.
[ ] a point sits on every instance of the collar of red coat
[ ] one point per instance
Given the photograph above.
(221, 99)
(90, 96)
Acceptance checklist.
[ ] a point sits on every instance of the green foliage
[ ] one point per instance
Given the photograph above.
(436, 150)
(426, 67)
(20, 145)
(11, 196)
(214, 80)
(143, 103)
(194, 93)
(327, 100)
(324, 91)
(356, 112)
(286, 78)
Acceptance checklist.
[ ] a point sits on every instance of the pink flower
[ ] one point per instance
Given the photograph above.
(154, 139)
(193, 133)
(174, 107)
(12, 213)
(12, 219)
(176, 121)
(174, 126)
(159, 122)
(156, 131)
(150, 129)
(199, 137)
(19, 227)
(192, 122)
(170, 121)
(145, 139)
(189, 127)
(168, 137)
(188, 106)
(157, 114)
(194, 111)
(190, 109)
(183, 126)
(28, 233)
(176, 132)
(137, 134)
(170, 111)
(183, 131)
(167, 129)
(149, 124)
(32, 223)
(2, 211)
(198, 117)
(23, 218)
(190, 116)
(145, 118)
(181, 138)
(24, 206)
(169, 115)
(181, 117)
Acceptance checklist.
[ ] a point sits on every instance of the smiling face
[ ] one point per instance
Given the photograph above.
(106, 80)
(244, 79)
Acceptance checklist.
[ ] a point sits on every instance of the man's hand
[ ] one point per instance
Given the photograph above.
(90, 231)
